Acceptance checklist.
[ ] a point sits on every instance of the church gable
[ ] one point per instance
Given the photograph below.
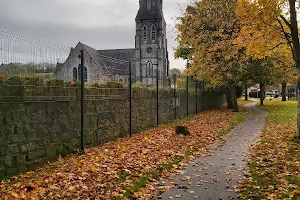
(150, 52)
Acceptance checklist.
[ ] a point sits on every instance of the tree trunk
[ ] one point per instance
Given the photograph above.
(246, 91)
(261, 94)
(284, 91)
(228, 96)
(296, 50)
(233, 98)
(298, 99)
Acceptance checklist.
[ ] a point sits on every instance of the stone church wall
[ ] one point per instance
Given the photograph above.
(44, 122)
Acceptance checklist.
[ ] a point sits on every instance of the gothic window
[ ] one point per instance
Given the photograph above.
(153, 32)
(145, 33)
(79, 72)
(148, 4)
(149, 68)
(85, 75)
(75, 77)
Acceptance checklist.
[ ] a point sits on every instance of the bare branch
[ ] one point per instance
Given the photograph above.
(287, 38)
(285, 21)
(281, 43)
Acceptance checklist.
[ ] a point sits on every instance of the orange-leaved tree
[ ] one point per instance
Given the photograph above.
(207, 32)
(284, 68)
(266, 26)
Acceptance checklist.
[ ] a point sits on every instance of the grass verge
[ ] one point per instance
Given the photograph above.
(274, 162)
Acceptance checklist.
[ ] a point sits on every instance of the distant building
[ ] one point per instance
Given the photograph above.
(150, 53)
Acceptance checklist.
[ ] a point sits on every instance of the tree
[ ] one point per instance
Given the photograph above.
(285, 72)
(261, 71)
(268, 24)
(207, 32)
(175, 71)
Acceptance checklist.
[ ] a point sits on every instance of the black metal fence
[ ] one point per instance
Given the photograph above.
(292, 93)
(42, 118)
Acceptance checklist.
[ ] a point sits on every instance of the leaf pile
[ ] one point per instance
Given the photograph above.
(105, 171)
(274, 169)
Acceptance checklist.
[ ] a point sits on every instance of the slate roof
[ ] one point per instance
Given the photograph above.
(113, 60)
(155, 11)
(117, 64)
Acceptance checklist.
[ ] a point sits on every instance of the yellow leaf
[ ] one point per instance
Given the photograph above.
(15, 195)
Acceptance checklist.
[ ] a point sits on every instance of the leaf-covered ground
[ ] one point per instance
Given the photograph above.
(119, 169)
(274, 165)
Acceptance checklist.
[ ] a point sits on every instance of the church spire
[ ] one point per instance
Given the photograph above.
(150, 9)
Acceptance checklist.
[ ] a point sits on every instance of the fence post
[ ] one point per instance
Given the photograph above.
(157, 97)
(82, 101)
(187, 95)
(175, 98)
(196, 93)
(130, 100)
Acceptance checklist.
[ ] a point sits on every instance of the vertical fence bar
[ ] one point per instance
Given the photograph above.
(157, 97)
(196, 94)
(130, 100)
(82, 100)
(187, 95)
(175, 97)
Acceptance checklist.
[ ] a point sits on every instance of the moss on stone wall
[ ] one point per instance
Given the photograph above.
(37, 124)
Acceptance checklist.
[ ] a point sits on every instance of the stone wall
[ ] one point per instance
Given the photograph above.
(37, 124)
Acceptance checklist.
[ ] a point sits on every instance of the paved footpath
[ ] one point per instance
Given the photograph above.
(215, 176)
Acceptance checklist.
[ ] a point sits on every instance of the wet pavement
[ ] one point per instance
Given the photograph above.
(216, 176)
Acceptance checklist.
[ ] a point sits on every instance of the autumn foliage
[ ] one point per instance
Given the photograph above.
(105, 172)
(274, 162)
(209, 29)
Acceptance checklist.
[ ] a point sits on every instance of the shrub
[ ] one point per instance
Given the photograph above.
(142, 85)
(107, 84)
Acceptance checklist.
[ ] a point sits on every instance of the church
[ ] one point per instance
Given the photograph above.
(150, 53)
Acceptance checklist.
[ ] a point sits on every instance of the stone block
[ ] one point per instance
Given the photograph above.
(12, 171)
(16, 138)
(51, 151)
(8, 161)
(13, 148)
(25, 148)
(35, 155)
(22, 169)
(20, 159)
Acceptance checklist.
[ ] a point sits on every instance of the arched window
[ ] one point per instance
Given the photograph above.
(148, 4)
(75, 77)
(145, 33)
(153, 32)
(149, 68)
(79, 72)
(85, 75)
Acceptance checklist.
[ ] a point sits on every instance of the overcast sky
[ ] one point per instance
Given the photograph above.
(101, 24)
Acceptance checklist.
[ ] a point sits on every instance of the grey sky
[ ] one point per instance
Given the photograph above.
(101, 24)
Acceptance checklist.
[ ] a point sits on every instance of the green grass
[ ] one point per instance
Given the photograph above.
(279, 130)
(293, 180)
(281, 113)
